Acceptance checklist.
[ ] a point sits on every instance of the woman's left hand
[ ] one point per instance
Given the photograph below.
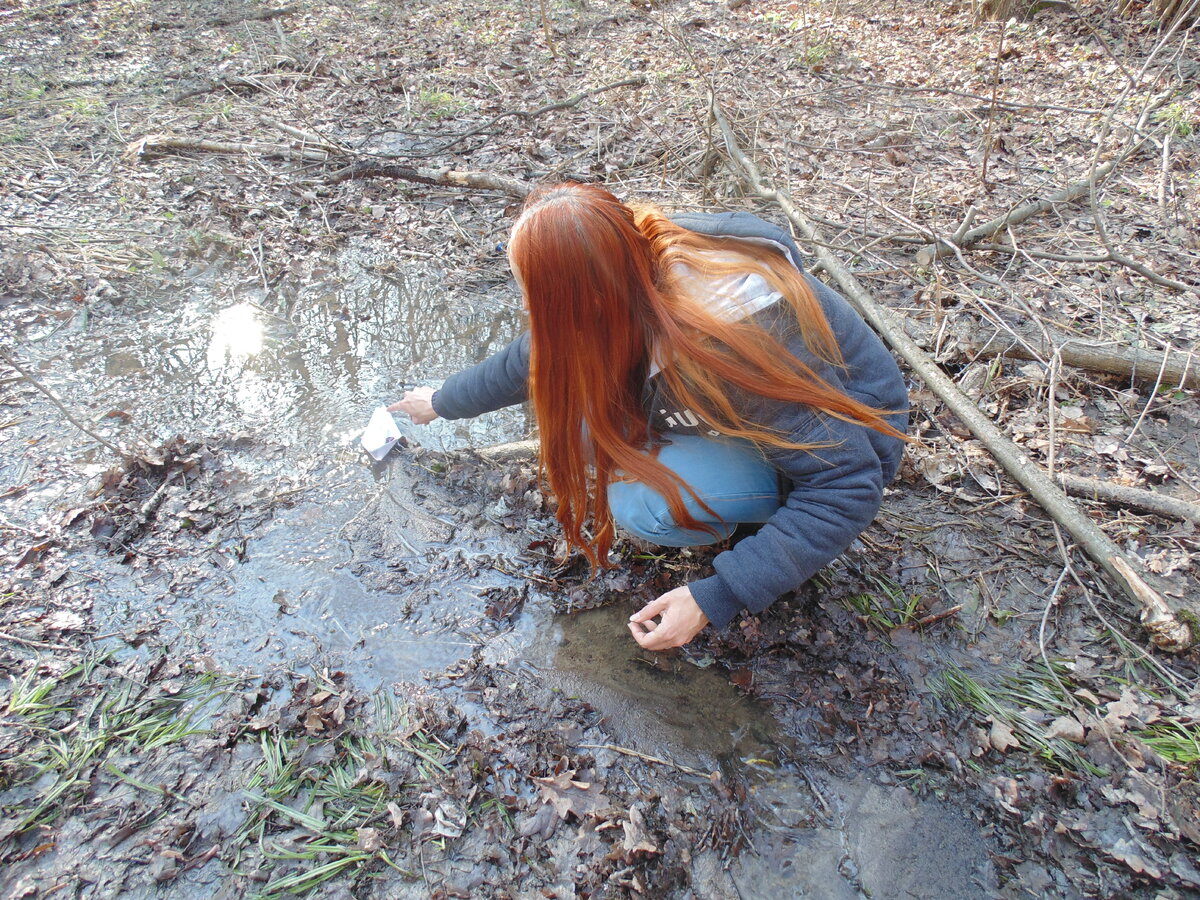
(679, 620)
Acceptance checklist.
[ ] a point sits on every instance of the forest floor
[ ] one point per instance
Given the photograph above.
(238, 659)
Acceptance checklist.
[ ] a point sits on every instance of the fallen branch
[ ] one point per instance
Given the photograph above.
(510, 452)
(369, 168)
(120, 540)
(53, 398)
(646, 757)
(1177, 367)
(259, 15)
(37, 11)
(528, 114)
(254, 15)
(361, 168)
(1018, 214)
(931, 619)
(5, 636)
(1166, 629)
(309, 138)
(1125, 495)
(232, 83)
(1042, 254)
(162, 144)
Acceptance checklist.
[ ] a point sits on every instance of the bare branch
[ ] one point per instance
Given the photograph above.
(443, 177)
(162, 144)
(53, 398)
(1177, 367)
(1126, 495)
(1022, 212)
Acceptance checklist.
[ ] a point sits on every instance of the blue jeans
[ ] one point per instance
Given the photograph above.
(731, 476)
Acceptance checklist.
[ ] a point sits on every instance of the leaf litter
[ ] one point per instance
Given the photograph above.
(343, 794)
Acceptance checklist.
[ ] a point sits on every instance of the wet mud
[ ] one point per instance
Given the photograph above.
(810, 751)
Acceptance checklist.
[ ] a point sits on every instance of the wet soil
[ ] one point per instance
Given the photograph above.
(389, 686)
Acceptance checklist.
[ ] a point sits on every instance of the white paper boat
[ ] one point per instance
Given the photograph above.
(381, 434)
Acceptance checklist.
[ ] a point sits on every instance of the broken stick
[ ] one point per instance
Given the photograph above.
(1127, 495)
(1166, 628)
(1170, 368)
(486, 181)
(165, 143)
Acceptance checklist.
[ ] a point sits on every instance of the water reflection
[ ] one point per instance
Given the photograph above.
(237, 334)
(310, 359)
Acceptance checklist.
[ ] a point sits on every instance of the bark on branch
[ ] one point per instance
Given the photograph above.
(1021, 213)
(442, 177)
(157, 144)
(1172, 368)
(160, 144)
(1166, 629)
(1125, 495)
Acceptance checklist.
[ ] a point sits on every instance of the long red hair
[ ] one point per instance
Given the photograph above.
(602, 300)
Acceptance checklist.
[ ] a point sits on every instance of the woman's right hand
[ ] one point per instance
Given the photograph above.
(418, 403)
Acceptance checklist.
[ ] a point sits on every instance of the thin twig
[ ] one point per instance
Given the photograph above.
(53, 398)
(5, 636)
(931, 619)
(1149, 400)
(987, 137)
(645, 757)
(1023, 211)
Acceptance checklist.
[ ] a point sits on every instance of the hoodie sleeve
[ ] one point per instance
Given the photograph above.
(837, 490)
(500, 380)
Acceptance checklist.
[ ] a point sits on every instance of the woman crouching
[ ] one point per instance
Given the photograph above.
(687, 376)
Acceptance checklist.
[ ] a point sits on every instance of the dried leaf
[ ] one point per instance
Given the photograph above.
(33, 554)
(1119, 710)
(1109, 446)
(570, 797)
(163, 868)
(64, 620)
(449, 820)
(262, 723)
(1002, 737)
(543, 822)
(396, 814)
(369, 840)
(636, 840)
(1121, 795)
(1067, 728)
(313, 723)
(1128, 852)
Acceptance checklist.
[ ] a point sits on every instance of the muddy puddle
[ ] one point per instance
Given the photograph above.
(380, 571)
(818, 834)
(304, 362)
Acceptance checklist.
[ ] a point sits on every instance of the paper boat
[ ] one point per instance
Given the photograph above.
(381, 434)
